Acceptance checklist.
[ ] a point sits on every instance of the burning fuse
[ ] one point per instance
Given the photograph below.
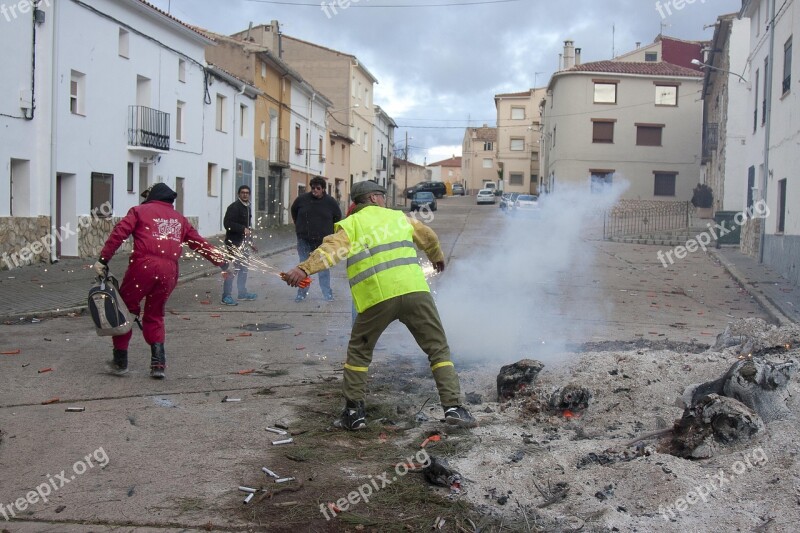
(279, 442)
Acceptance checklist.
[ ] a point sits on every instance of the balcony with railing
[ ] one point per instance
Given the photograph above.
(148, 128)
(278, 151)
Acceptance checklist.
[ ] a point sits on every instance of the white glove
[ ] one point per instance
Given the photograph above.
(101, 269)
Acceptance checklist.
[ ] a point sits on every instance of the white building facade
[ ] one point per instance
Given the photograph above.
(383, 139)
(117, 101)
(772, 154)
(310, 142)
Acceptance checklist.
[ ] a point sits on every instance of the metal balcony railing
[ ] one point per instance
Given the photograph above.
(148, 127)
(278, 151)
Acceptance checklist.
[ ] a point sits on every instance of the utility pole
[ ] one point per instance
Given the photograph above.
(405, 157)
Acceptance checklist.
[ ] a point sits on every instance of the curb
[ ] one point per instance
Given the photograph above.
(79, 310)
(763, 300)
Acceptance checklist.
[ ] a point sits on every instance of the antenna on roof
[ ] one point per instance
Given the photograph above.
(249, 29)
(613, 45)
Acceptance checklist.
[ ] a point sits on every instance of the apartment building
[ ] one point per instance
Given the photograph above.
(479, 158)
(341, 77)
(624, 121)
(772, 155)
(518, 140)
(113, 102)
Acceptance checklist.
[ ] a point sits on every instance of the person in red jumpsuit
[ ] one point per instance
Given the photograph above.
(158, 232)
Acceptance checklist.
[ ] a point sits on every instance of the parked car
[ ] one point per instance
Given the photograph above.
(423, 199)
(486, 196)
(458, 189)
(507, 200)
(438, 188)
(526, 204)
(527, 201)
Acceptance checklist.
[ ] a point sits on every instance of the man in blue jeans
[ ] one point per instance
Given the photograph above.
(314, 214)
(238, 232)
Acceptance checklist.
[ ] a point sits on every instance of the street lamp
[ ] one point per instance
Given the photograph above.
(698, 63)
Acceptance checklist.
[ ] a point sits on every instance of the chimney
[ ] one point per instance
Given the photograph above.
(638, 44)
(569, 54)
(577, 56)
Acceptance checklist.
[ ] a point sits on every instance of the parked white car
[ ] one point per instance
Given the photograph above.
(486, 196)
(526, 201)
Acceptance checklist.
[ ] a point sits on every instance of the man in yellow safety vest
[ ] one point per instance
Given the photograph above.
(387, 284)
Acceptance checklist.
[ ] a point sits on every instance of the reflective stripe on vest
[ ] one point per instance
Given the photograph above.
(382, 262)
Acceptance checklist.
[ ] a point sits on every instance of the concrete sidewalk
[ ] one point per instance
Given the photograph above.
(779, 297)
(43, 290)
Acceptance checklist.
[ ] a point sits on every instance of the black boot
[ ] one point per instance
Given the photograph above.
(158, 360)
(119, 365)
(353, 416)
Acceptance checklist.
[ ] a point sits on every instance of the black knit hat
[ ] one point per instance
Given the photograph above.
(161, 192)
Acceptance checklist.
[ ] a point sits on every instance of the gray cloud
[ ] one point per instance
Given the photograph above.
(445, 64)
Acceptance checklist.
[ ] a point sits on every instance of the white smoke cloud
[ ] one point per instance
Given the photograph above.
(526, 288)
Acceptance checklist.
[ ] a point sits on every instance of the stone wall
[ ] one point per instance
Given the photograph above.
(24, 241)
(27, 240)
(92, 235)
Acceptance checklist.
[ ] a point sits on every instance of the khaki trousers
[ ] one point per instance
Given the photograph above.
(417, 311)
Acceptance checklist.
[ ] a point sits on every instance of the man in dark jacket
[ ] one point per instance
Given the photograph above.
(238, 222)
(158, 233)
(314, 214)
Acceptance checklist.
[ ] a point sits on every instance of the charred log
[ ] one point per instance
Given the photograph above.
(713, 421)
(570, 398)
(517, 378)
(760, 385)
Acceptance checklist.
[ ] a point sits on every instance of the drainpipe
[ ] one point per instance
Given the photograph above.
(767, 122)
(54, 92)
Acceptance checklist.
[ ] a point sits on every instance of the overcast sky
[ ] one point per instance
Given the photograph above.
(439, 63)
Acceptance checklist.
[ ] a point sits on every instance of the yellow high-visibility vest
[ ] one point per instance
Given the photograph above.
(382, 262)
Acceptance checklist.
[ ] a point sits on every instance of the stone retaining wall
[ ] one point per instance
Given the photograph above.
(27, 240)
(24, 241)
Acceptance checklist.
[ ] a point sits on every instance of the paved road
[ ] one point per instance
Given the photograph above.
(169, 454)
